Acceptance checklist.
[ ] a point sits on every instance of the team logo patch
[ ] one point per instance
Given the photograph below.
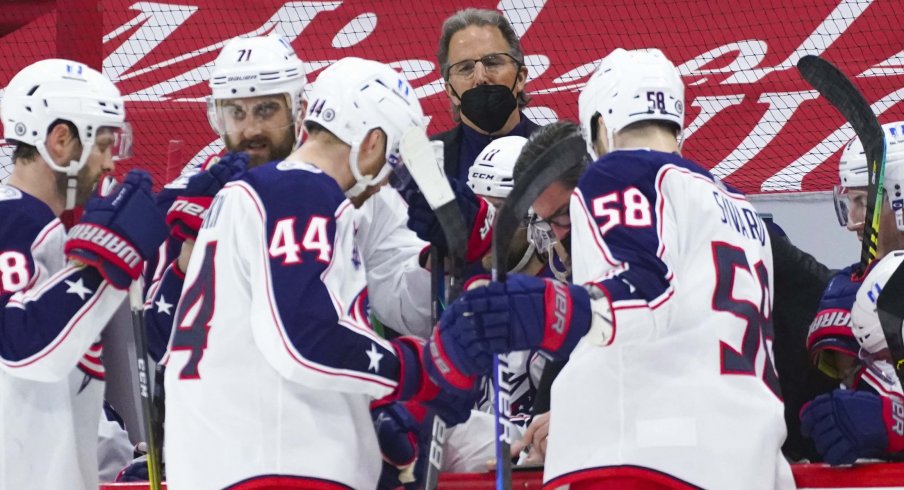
(20, 129)
(328, 115)
(679, 107)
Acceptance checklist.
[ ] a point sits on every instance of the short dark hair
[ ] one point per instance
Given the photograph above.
(541, 140)
(27, 153)
(479, 17)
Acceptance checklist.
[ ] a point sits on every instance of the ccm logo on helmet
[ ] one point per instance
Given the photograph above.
(108, 240)
(478, 175)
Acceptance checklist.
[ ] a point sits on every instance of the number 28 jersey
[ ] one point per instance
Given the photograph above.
(686, 389)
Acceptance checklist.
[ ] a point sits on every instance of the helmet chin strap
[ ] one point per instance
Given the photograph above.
(361, 181)
(557, 249)
(71, 171)
(525, 258)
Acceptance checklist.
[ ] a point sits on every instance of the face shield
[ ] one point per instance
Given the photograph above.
(850, 206)
(233, 117)
(121, 148)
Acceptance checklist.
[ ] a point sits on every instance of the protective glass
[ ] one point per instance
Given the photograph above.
(493, 63)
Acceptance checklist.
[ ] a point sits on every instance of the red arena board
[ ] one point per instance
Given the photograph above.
(807, 476)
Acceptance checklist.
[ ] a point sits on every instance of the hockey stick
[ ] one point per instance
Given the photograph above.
(835, 87)
(539, 174)
(890, 306)
(136, 303)
(427, 172)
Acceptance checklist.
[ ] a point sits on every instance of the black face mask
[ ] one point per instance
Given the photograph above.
(488, 106)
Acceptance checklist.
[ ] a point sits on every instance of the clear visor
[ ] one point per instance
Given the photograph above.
(117, 139)
(233, 117)
(850, 206)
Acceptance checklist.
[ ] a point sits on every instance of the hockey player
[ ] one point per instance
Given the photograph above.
(68, 124)
(831, 341)
(668, 334)
(868, 423)
(271, 360)
(256, 105)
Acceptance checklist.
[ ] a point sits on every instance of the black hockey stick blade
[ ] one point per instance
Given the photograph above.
(890, 306)
(453, 225)
(539, 174)
(835, 87)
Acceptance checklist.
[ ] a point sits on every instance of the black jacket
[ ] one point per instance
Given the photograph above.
(452, 144)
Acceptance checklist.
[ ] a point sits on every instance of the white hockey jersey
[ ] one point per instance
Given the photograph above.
(685, 393)
(271, 362)
(51, 374)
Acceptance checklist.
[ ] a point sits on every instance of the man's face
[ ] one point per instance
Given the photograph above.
(552, 207)
(100, 161)
(259, 126)
(856, 216)
(473, 43)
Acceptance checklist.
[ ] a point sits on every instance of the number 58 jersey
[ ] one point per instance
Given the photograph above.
(685, 391)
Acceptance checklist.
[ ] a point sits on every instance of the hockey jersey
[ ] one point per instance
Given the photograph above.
(51, 374)
(271, 361)
(399, 288)
(685, 392)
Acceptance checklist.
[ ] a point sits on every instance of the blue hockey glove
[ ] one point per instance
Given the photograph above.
(477, 212)
(446, 393)
(846, 425)
(118, 233)
(525, 312)
(188, 210)
(398, 434)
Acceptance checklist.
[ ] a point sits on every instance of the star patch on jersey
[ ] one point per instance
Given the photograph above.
(162, 306)
(78, 287)
(375, 357)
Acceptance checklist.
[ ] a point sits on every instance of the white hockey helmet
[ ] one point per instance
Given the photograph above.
(864, 316)
(629, 87)
(353, 96)
(893, 182)
(58, 89)
(491, 173)
(251, 67)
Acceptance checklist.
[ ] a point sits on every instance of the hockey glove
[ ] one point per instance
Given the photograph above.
(447, 394)
(477, 212)
(188, 210)
(398, 433)
(525, 312)
(846, 425)
(118, 233)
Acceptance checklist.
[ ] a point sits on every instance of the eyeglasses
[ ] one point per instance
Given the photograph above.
(493, 63)
(561, 218)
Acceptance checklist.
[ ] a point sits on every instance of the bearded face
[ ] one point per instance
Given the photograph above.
(261, 126)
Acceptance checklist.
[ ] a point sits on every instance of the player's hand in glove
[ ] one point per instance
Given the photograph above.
(118, 233)
(846, 425)
(477, 212)
(399, 434)
(525, 312)
(442, 392)
(187, 211)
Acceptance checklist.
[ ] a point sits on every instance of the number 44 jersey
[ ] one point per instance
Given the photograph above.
(272, 366)
(685, 392)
